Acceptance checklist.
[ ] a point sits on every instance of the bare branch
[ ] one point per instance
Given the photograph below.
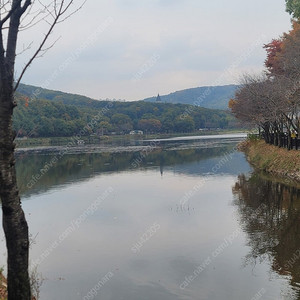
(25, 49)
(36, 19)
(58, 13)
(25, 6)
(16, 5)
(74, 12)
(36, 53)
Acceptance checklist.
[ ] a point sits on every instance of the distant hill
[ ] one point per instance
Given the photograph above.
(33, 93)
(45, 113)
(215, 97)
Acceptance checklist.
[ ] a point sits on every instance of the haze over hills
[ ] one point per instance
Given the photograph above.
(215, 97)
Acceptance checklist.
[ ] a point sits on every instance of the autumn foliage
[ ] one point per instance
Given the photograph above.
(272, 62)
(271, 101)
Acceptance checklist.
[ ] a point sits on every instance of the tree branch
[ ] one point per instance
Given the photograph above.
(59, 10)
(16, 5)
(25, 6)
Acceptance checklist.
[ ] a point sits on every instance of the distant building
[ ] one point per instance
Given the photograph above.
(80, 142)
(139, 132)
(158, 99)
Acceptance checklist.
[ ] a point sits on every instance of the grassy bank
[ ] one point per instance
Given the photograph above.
(273, 160)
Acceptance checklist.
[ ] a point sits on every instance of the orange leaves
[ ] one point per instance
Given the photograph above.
(274, 49)
(231, 103)
(26, 99)
(282, 52)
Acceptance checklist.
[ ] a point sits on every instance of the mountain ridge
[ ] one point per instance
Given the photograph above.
(46, 113)
(213, 97)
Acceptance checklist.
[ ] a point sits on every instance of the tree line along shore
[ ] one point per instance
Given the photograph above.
(270, 101)
(45, 118)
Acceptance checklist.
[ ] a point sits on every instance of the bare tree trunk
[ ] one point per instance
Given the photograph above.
(14, 222)
(276, 138)
(289, 141)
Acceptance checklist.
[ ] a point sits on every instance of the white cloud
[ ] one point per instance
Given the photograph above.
(195, 39)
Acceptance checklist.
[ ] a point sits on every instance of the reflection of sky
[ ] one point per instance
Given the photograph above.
(187, 236)
(204, 137)
(231, 165)
(188, 158)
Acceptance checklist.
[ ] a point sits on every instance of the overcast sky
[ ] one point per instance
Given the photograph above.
(133, 49)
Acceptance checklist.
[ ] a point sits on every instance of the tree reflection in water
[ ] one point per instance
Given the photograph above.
(76, 167)
(269, 213)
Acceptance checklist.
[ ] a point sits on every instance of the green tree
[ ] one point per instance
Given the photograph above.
(122, 122)
(105, 127)
(46, 127)
(150, 125)
(186, 124)
(293, 8)
(168, 125)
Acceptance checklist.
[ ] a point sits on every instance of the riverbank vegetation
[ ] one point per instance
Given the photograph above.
(271, 101)
(271, 159)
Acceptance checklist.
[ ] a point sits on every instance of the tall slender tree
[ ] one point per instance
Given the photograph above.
(12, 14)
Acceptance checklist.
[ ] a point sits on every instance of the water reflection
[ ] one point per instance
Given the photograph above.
(180, 190)
(78, 167)
(270, 215)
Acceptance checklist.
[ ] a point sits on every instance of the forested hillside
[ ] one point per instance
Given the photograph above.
(34, 93)
(215, 97)
(45, 118)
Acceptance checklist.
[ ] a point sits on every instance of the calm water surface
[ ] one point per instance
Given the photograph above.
(178, 221)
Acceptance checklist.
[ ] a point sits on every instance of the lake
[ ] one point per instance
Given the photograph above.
(159, 219)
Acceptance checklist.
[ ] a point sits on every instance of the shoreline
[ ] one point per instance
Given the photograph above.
(134, 145)
(272, 160)
(92, 140)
